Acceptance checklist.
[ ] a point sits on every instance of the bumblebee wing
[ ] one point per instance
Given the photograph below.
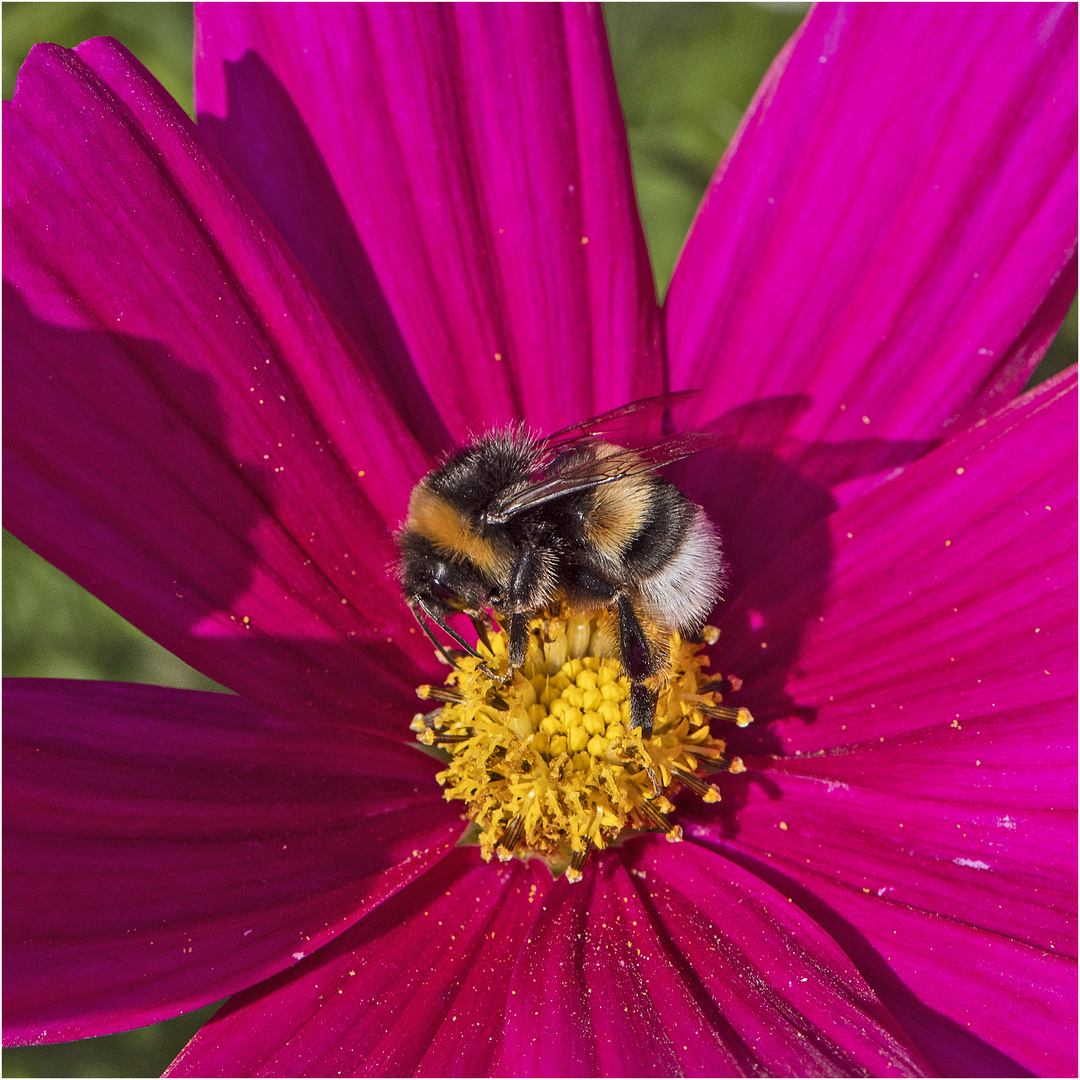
(615, 424)
(610, 464)
(676, 447)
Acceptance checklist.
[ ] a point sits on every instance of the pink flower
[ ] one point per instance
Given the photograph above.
(222, 381)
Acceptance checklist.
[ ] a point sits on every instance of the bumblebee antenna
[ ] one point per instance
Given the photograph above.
(440, 647)
(416, 602)
(448, 630)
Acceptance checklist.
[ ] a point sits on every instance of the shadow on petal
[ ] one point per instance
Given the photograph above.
(86, 489)
(772, 499)
(292, 183)
(145, 480)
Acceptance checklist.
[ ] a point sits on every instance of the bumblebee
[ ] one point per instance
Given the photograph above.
(523, 525)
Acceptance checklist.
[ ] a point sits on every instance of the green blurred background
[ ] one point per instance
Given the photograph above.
(686, 73)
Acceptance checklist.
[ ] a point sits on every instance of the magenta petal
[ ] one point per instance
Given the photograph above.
(164, 848)
(670, 961)
(892, 233)
(186, 432)
(963, 845)
(928, 708)
(945, 821)
(415, 989)
(472, 161)
(997, 1007)
(950, 594)
(975, 1002)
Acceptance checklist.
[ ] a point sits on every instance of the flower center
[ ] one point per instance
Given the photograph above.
(544, 758)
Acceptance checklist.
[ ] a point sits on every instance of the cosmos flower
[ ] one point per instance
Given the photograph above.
(232, 349)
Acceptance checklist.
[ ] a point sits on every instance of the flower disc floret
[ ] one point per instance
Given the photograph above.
(544, 757)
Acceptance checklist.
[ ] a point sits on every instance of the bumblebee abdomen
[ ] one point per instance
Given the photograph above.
(643, 533)
(680, 592)
(618, 514)
(674, 560)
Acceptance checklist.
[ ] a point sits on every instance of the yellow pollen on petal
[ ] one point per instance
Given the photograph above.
(544, 757)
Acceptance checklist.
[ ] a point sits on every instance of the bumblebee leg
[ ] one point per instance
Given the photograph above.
(636, 653)
(637, 657)
(639, 662)
(642, 708)
(526, 592)
(518, 642)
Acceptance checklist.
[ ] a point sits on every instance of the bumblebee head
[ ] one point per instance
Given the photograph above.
(439, 583)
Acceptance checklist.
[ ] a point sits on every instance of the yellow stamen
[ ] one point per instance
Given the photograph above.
(544, 757)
